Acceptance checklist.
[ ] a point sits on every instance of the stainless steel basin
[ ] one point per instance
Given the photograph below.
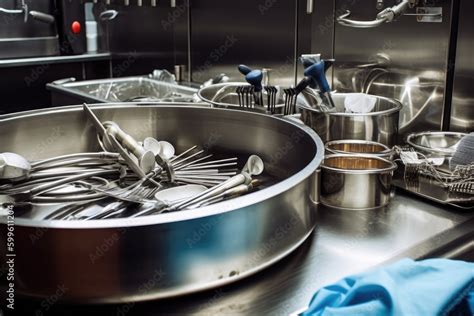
(170, 254)
(127, 89)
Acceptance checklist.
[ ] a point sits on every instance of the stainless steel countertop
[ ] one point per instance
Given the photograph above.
(344, 242)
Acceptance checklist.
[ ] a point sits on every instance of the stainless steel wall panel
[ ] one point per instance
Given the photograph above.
(405, 59)
(462, 107)
(27, 39)
(257, 33)
(13, 25)
(146, 35)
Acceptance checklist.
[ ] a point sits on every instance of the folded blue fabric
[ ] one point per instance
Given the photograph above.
(407, 287)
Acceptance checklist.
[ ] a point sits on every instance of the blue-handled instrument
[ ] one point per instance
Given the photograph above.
(317, 73)
(254, 78)
(244, 70)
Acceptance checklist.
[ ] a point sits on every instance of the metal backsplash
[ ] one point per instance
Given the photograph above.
(405, 60)
(462, 106)
(258, 33)
(146, 37)
(22, 36)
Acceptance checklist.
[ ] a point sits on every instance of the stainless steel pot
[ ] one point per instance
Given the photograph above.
(353, 146)
(356, 181)
(223, 95)
(380, 125)
(165, 255)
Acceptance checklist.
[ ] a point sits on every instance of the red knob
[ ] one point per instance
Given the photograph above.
(76, 27)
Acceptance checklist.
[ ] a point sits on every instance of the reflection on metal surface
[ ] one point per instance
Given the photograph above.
(418, 96)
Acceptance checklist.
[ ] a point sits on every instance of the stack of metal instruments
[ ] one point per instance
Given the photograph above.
(252, 95)
(429, 171)
(127, 179)
(314, 77)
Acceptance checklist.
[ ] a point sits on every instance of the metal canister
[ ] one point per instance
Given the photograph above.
(356, 182)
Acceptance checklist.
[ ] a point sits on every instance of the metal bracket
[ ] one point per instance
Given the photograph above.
(309, 6)
(23, 10)
(428, 14)
(423, 14)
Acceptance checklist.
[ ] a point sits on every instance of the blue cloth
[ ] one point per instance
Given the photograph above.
(429, 287)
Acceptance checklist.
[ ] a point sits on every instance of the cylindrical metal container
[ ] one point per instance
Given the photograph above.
(353, 146)
(356, 181)
(133, 259)
(380, 125)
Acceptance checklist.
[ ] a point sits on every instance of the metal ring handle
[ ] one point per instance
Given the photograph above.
(108, 15)
(359, 24)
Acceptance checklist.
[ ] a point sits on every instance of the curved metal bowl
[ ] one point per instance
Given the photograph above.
(223, 95)
(380, 125)
(435, 143)
(169, 254)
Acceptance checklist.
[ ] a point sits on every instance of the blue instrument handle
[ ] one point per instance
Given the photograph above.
(255, 79)
(317, 72)
(244, 70)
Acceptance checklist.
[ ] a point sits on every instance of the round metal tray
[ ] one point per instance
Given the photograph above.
(170, 254)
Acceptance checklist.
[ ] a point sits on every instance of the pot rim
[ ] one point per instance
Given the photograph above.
(392, 166)
(387, 150)
(211, 210)
(397, 108)
(228, 105)
(432, 150)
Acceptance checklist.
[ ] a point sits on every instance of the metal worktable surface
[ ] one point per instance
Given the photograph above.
(343, 243)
